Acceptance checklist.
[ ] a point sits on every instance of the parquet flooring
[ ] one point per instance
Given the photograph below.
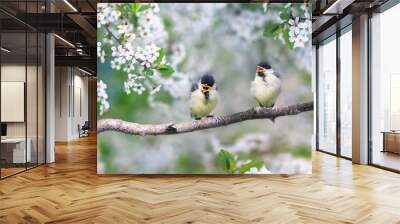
(70, 191)
(10, 171)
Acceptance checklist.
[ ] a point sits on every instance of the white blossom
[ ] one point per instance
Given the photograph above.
(107, 13)
(154, 7)
(305, 8)
(124, 27)
(265, 7)
(255, 170)
(287, 164)
(134, 83)
(177, 85)
(102, 96)
(299, 31)
(101, 53)
(133, 49)
(146, 56)
(150, 26)
(195, 17)
(246, 24)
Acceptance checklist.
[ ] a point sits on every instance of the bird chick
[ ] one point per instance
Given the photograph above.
(204, 97)
(266, 85)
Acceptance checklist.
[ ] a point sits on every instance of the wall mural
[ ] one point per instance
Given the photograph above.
(204, 88)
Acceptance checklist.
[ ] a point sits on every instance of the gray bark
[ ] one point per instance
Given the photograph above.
(205, 123)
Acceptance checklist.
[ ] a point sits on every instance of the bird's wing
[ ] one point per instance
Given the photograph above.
(278, 74)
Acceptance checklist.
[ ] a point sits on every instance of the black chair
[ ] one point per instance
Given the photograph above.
(84, 130)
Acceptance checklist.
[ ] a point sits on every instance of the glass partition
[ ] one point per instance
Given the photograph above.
(327, 96)
(14, 153)
(385, 89)
(41, 96)
(346, 93)
(22, 95)
(32, 96)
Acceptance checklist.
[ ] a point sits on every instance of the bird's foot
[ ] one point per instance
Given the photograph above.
(171, 128)
(194, 117)
(262, 106)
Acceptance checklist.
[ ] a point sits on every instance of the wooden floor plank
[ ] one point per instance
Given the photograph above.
(70, 191)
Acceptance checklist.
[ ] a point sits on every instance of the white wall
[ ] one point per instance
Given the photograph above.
(16, 73)
(80, 109)
(50, 93)
(360, 90)
(61, 103)
(12, 73)
(71, 94)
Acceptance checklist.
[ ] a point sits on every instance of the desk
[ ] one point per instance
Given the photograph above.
(17, 151)
(391, 141)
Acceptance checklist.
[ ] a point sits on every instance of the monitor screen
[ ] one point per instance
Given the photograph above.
(3, 129)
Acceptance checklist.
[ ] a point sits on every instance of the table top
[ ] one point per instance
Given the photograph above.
(391, 132)
(13, 140)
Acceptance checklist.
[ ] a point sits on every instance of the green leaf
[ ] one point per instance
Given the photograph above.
(251, 7)
(168, 24)
(302, 151)
(226, 161)
(143, 7)
(139, 7)
(165, 70)
(135, 7)
(288, 44)
(160, 56)
(148, 72)
(270, 29)
(189, 163)
(285, 14)
(246, 167)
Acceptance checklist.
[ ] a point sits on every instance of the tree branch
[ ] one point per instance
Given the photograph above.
(205, 123)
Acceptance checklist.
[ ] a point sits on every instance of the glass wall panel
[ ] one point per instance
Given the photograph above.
(41, 98)
(22, 78)
(31, 97)
(346, 94)
(385, 84)
(327, 96)
(14, 151)
(32, 86)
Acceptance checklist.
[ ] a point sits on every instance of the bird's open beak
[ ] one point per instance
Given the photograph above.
(260, 69)
(205, 88)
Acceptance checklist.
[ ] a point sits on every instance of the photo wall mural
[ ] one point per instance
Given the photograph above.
(221, 88)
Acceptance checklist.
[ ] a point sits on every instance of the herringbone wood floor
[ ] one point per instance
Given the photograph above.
(70, 191)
